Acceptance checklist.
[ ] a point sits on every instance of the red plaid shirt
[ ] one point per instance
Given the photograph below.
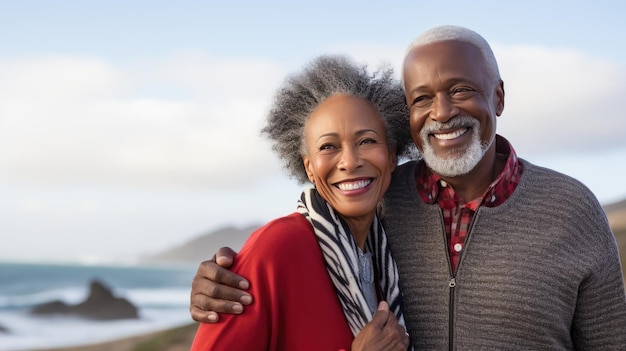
(457, 214)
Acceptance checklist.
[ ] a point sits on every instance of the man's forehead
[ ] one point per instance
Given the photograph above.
(441, 47)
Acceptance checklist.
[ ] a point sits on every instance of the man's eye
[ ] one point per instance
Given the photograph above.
(420, 101)
(460, 90)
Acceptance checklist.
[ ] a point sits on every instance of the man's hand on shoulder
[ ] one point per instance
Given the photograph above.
(215, 289)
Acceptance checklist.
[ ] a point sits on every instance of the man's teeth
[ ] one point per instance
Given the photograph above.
(449, 136)
(354, 185)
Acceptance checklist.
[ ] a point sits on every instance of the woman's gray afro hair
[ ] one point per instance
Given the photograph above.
(321, 79)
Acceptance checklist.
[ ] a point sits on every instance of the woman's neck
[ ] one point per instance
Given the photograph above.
(360, 228)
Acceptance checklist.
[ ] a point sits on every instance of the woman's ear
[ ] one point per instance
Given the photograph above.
(393, 159)
(309, 169)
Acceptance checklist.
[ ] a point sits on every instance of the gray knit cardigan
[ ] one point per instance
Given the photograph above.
(539, 272)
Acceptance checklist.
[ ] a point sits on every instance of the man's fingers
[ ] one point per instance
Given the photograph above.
(225, 257)
(224, 276)
(202, 316)
(210, 304)
(209, 270)
(210, 296)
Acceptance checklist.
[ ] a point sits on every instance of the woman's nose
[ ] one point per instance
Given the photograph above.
(350, 159)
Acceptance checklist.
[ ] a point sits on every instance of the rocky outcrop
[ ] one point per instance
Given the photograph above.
(101, 304)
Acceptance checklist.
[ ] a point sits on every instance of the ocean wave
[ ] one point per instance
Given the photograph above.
(160, 294)
(29, 332)
(68, 295)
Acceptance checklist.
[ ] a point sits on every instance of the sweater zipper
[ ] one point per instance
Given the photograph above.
(452, 281)
(451, 284)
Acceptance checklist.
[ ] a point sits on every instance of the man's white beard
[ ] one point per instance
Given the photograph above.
(454, 166)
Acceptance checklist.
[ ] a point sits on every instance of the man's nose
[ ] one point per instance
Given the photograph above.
(443, 109)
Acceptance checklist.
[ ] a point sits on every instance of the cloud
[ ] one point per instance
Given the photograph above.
(192, 119)
(85, 120)
(561, 101)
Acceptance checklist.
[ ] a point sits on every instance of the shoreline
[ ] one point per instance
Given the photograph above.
(173, 339)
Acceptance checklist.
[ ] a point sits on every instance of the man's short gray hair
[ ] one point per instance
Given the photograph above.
(443, 33)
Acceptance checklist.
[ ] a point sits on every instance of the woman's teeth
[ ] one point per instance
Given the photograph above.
(354, 185)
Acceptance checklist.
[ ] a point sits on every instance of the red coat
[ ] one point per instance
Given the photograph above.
(295, 305)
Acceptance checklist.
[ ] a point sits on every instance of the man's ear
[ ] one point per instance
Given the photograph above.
(309, 169)
(499, 98)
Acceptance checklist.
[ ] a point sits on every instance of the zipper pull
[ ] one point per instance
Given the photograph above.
(452, 283)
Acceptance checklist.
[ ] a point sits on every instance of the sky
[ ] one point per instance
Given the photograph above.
(129, 127)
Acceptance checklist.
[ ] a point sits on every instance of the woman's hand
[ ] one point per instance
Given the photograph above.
(382, 333)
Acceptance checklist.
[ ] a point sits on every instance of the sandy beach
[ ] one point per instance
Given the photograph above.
(177, 339)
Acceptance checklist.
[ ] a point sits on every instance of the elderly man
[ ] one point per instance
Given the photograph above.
(493, 252)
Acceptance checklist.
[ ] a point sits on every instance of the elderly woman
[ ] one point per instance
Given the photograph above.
(323, 277)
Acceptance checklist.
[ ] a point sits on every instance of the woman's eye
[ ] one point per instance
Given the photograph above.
(327, 147)
(368, 141)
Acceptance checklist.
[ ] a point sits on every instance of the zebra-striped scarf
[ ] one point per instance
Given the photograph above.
(340, 253)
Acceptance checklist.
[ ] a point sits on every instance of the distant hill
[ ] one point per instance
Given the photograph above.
(616, 213)
(203, 247)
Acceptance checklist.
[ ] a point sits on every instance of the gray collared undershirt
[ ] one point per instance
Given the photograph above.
(366, 278)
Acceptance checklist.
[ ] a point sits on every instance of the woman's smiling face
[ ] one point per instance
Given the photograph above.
(347, 155)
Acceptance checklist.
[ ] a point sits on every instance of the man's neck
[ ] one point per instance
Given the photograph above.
(474, 184)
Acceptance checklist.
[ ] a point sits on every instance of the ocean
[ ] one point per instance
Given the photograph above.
(160, 293)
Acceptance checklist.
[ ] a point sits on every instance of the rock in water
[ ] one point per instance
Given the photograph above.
(52, 307)
(101, 304)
